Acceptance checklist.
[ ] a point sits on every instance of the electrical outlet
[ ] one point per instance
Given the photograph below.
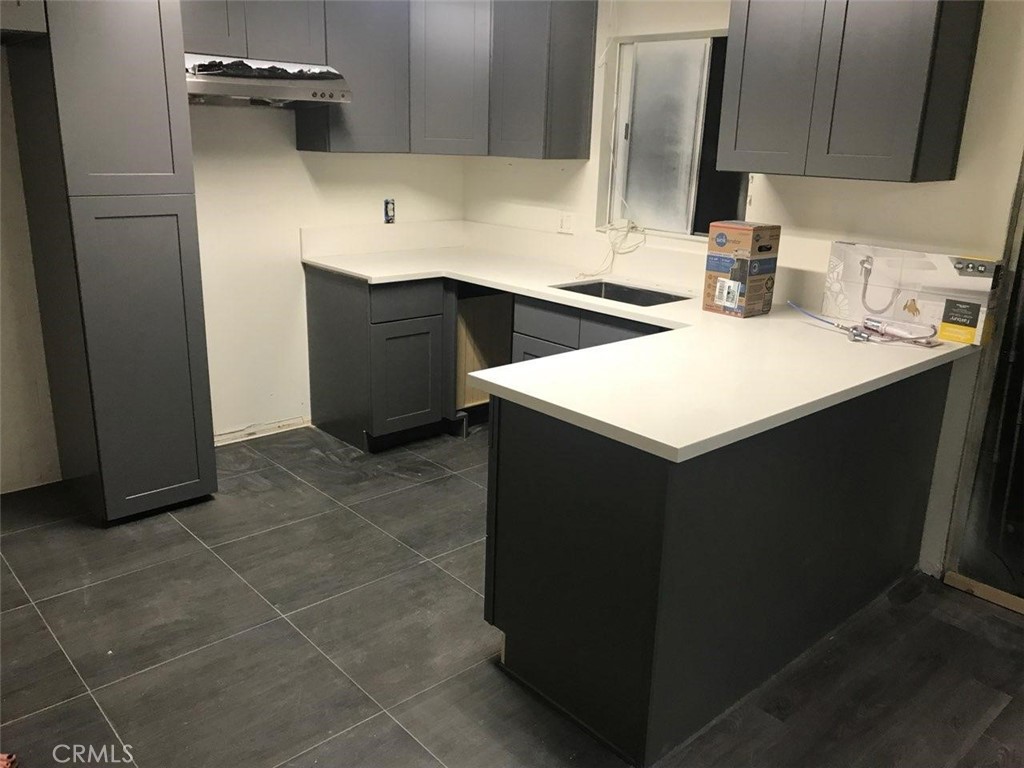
(389, 210)
(566, 223)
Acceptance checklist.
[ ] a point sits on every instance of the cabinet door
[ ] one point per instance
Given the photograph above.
(23, 15)
(405, 373)
(286, 30)
(872, 80)
(519, 78)
(368, 42)
(769, 85)
(142, 308)
(118, 72)
(449, 69)
(529, 348)
(214, 26)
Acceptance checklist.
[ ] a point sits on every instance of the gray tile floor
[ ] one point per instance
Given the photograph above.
(324, 609)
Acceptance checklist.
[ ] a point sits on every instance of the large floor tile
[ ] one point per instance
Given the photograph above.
(377, 743)
(253, 502)
(294, 445)
(455, 453)
(45, 740)
(432, 518)
(253, 700)
(351, 476)
(34, 673)
(466, 564)
(72, 553)
(37, 506)
(477, 474)
(308, 561)
(132, 622)
(483, 718)
(404, 633)
(238, 458)
(11, 593)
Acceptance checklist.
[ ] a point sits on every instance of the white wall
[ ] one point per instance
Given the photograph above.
(968, 215)
(253, 193)
(28, 451)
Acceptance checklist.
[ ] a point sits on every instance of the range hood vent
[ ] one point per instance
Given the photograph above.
(216, 80)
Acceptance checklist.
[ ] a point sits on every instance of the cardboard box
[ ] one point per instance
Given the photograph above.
(739, 275)
(954, 293)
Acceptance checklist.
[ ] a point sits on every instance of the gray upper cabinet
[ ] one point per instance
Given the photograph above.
(214, 27)
(892, 87)
(449, 67)
(22, 16)
(141, 304)
(131, 133)
(286, 30)
(769, 85)
(542, 78)
(848, 88)
(368, 42)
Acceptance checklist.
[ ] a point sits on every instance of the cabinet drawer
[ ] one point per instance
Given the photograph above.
(402, 301)
(602, 329)
(528, 348)
(547, 321)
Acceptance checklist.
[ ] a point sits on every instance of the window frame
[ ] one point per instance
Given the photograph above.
(610, 153)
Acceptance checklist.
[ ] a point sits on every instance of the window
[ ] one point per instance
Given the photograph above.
(659, 164)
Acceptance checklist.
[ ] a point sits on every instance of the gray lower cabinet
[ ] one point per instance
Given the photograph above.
(376, 355)
(22, 16)
(142, 310)
(542, 78)
(285, 30)
(117, 70)
(528, 348)
(548, 321)
(406, 374)
(847, 88)
(214, 27)
(449, 68)
(368, 42)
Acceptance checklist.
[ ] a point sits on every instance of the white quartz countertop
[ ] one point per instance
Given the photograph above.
(711, 381)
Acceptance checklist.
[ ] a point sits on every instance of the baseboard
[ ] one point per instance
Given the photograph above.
(259, 430)
(984, 591)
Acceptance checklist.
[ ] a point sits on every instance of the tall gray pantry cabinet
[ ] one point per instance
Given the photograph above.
(103, 132)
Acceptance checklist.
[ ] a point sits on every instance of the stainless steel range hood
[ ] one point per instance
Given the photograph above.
(220, 80)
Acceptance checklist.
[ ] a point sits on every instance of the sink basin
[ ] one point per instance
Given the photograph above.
(603, 289)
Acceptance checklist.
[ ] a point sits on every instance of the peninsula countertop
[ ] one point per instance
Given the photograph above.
(710, 381)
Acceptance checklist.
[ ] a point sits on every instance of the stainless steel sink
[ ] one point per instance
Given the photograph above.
(629, 294)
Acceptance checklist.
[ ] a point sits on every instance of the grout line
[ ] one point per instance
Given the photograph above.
(267, 530)
(187, 653)
(320, 650)
(37, 526)
(461, 546)
(66, 656)
(403, 569)
(350, 508)
(44, 709)
(222, 478)
(109, 578)
(332, 737)
(474, 665)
